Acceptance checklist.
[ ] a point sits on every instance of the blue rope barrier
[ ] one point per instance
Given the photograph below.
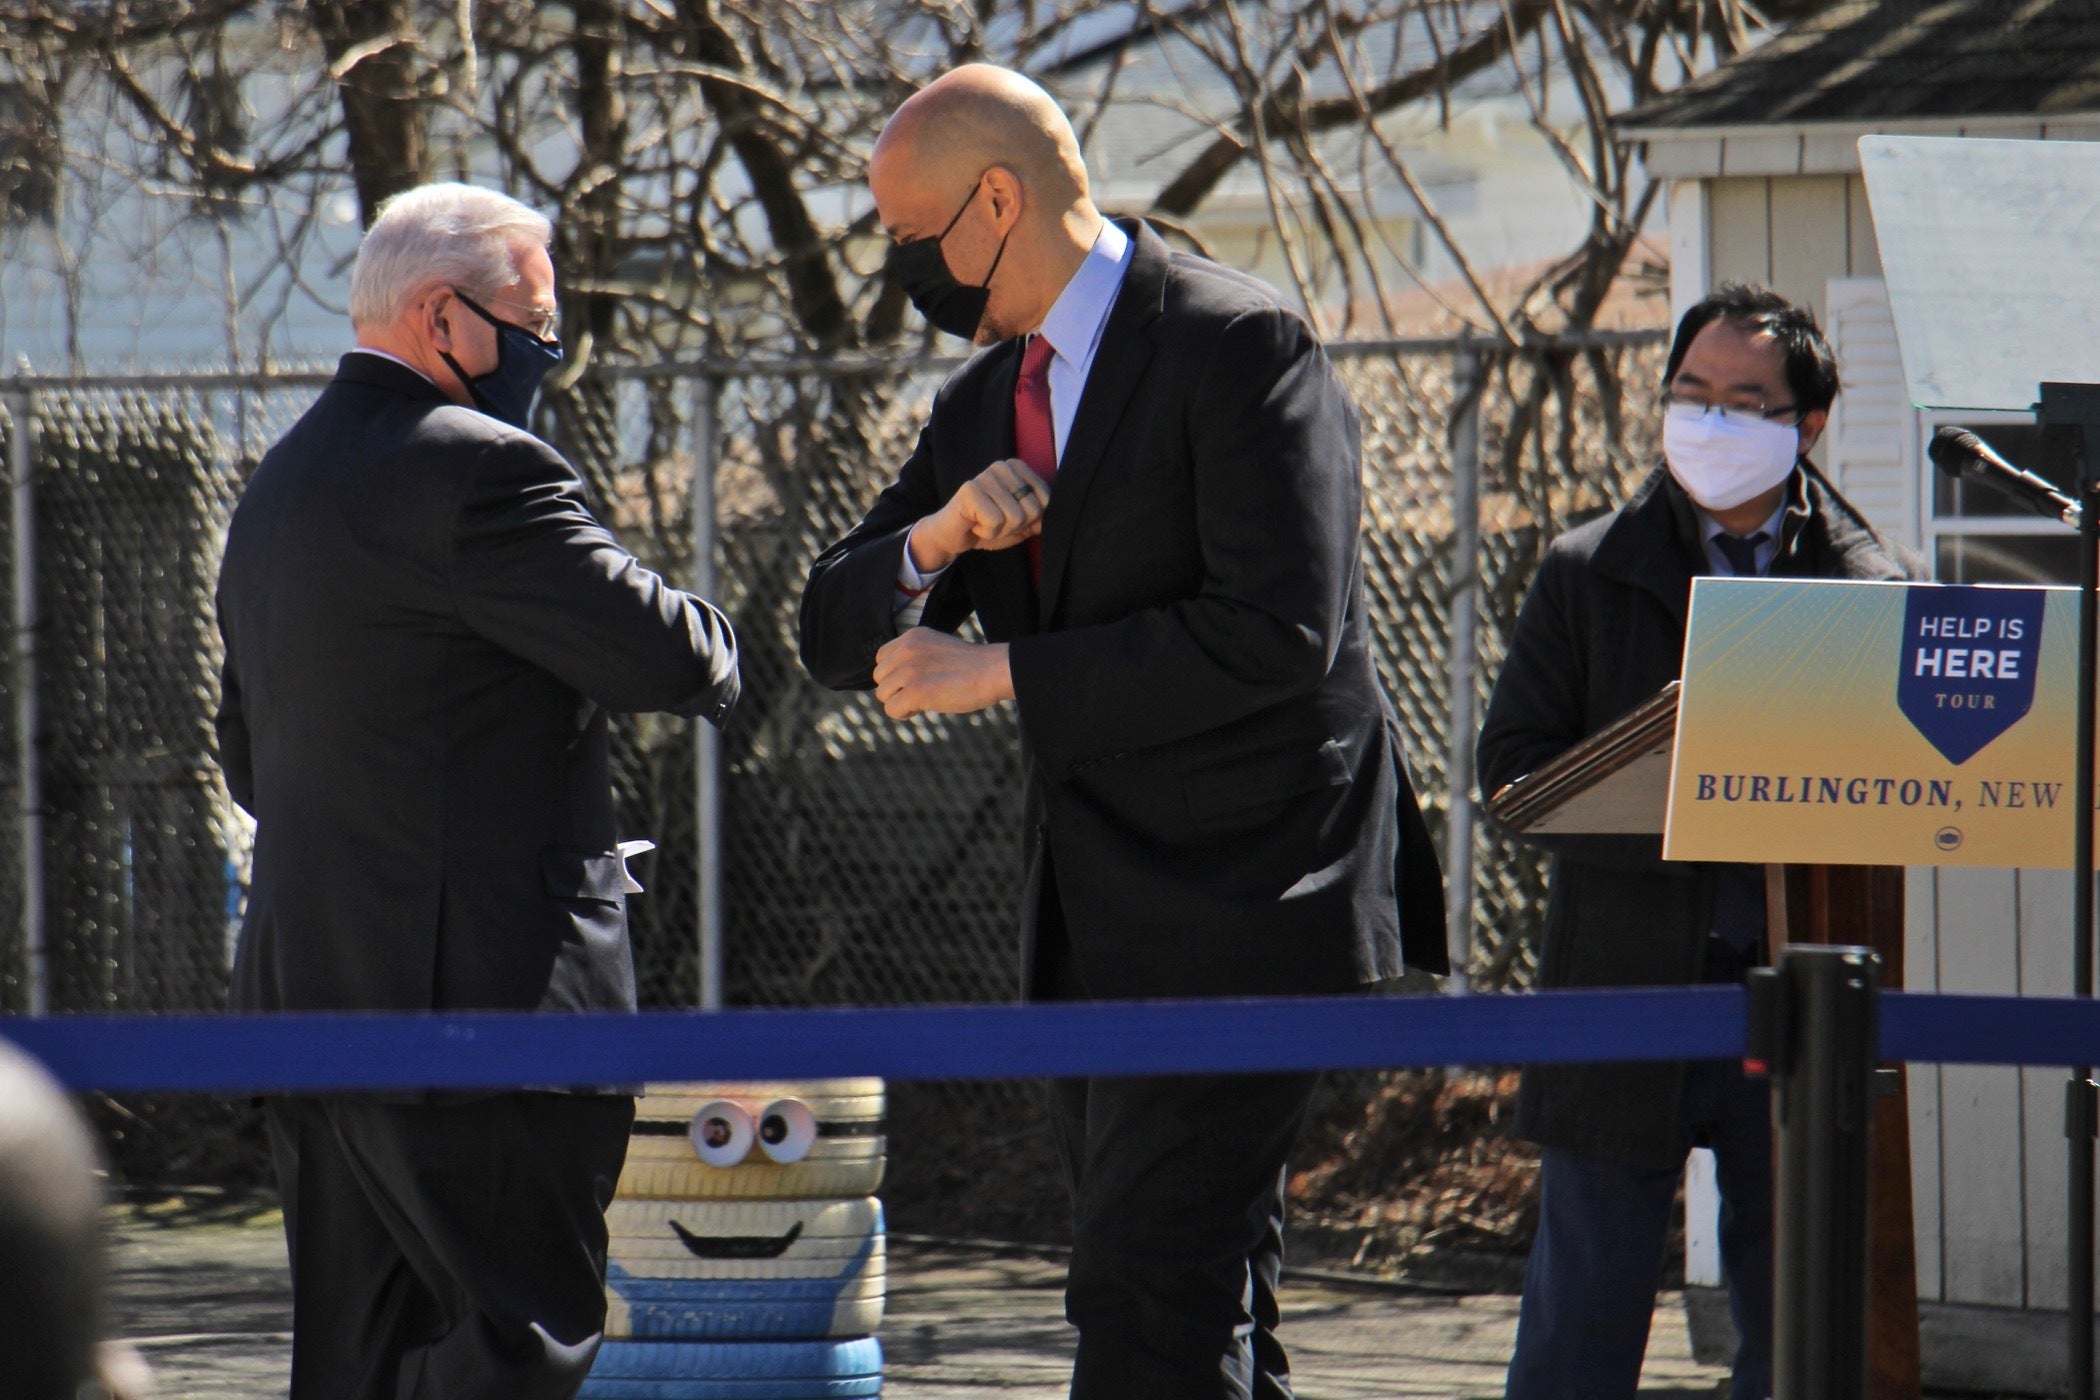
(1980, 1030)
(357, 1052)
(344, 1053)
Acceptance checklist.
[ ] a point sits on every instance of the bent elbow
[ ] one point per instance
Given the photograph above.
(700, 676)
(836, 657)
(1310, 656)
(1268, 656)
(1290, 658)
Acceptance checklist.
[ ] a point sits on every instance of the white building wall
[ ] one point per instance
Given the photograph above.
(1872, 451)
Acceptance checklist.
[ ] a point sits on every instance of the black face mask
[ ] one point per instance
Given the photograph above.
(922, 270)
(506, 392)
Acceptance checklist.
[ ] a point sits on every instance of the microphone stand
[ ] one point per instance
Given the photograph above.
(2070, 418)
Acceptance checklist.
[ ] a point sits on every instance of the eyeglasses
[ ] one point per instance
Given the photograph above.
(539, 322)
(1742, 415)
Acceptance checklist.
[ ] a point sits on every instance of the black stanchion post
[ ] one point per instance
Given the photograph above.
(2070, 419)
(1813, 1027)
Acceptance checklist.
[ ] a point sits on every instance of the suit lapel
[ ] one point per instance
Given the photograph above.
(1119, 363)
(995, 415)
(1643, 548)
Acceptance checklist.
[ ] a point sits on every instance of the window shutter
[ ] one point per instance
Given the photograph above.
(1871, 446)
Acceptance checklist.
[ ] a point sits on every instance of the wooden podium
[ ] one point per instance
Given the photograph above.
(1863, 904)
(1616, 782)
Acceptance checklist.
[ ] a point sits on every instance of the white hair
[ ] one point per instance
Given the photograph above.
(446, 234)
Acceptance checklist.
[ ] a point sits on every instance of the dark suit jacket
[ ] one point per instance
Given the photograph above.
(1212, 764)
(1602, 630)
(425, 629)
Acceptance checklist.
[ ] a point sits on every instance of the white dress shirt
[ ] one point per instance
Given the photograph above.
(1073, 329)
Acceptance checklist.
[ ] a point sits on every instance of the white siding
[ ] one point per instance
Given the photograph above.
(1690, 276)
(1982, 1142)
(1987, 1144)
(2045, 970)
(1872, 444)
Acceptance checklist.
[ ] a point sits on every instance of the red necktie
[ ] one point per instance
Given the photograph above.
(1035, 434)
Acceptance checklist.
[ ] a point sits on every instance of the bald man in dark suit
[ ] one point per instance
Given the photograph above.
(1147, 491)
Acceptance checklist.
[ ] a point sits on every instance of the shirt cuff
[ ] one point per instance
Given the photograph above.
(908, 598)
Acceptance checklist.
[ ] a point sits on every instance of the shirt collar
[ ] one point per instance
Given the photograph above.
(1074, 324)
(1710, 527)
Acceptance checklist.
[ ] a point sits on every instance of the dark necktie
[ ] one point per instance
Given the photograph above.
(1035, 432)
(1739, 897)
(1740, 553)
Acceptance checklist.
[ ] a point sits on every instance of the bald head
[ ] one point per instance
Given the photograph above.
(983, 159)
(51, 1285)
(962, 123)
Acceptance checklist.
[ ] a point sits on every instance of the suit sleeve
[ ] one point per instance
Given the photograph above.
(1536, 712)
(235, 752)
(1279, 494)
(536, 574)
(849, 602)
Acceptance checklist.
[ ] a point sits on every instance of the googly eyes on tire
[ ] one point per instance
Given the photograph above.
(787, 1129)
(722, 1133)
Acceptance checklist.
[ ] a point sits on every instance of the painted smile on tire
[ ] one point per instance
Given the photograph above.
(737, 1246)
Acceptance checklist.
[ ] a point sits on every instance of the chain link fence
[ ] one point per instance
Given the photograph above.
(817, 852)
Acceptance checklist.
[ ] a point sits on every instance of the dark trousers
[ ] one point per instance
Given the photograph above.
(1589, 1291)
(1177, 1221)
(1177, 1232)
(447, 1251)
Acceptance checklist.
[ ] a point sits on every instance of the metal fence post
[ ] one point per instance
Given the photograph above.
(21, 459)
(1466, 382)
(1813, 1023)
(707, 740)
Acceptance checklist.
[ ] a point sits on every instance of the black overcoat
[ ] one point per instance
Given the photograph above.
(425, 628)
(1602, 630)
(1210, 758)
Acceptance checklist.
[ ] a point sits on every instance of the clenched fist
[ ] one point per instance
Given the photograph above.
(925, 671)
(996, 509)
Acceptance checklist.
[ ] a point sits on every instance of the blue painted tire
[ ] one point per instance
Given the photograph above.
(855, 1359)
(736, 1371)
(845, 1389)
(731, 1316)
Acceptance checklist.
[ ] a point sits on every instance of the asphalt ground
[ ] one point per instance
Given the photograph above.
(201, 1291)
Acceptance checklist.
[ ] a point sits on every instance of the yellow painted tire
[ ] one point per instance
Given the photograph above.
(805, 1089)
(845, 1159)
(841, 1240)
(841, 1107)
(687, 1178)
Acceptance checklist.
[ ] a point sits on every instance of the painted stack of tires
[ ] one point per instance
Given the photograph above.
(746, 1257)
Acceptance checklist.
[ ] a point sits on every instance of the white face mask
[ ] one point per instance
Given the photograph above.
(1722, 463)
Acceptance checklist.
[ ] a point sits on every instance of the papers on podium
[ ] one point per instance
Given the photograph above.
(1616, 782)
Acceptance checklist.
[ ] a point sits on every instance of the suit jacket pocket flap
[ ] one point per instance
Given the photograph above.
(1261, 778)
(578, 874)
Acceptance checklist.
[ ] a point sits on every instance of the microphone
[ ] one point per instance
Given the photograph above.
(1961, 454)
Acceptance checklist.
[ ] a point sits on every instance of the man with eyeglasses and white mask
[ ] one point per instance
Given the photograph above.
(426, 628)
(1747, 391)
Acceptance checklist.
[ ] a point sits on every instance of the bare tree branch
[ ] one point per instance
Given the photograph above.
(371, 50)
(1188, 189)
